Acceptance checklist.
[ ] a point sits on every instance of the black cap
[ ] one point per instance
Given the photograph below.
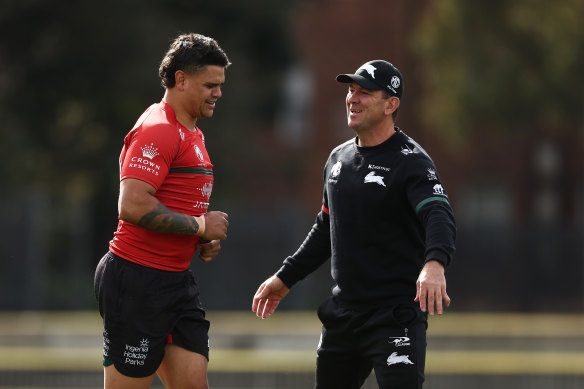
(377, 75)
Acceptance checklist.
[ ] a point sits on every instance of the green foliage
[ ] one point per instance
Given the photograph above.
(501, 65)
(75, 75)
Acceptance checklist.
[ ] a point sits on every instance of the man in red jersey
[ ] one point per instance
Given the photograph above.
(149, 301)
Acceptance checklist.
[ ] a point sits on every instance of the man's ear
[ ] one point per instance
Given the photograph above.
(393, 104)
(179, 79)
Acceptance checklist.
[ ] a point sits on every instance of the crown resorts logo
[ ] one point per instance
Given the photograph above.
(149, 151)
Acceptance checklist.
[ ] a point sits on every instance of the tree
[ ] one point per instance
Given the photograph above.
(508, 66)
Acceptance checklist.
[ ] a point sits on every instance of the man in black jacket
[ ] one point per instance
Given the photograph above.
(387, 225)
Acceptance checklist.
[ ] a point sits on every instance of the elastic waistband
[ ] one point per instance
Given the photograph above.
(368, 306)
(137, 266)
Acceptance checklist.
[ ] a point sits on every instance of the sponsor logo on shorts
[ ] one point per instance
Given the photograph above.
(106, 344)
(136, 355)
(400, 341)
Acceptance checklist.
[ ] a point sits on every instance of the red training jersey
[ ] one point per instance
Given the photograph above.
(162, 152)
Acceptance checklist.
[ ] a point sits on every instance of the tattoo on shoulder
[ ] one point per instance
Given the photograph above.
(162, 219)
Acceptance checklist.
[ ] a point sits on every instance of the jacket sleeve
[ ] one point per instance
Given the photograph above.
(438, 219)
(311, 254)
(315, 249)
(428, 198)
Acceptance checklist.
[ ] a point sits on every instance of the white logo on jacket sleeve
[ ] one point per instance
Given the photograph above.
(439, 190)
(394, 358)
(431, 175)
(371, 177)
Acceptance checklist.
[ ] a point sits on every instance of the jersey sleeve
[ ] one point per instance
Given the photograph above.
(148, 153)
(429, 200)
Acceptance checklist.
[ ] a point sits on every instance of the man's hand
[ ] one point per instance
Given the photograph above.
(431, 288)
(208, 250)
(268, 296)
(215, 226)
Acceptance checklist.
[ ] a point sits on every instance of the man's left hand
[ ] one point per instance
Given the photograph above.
(431, 288)
(209, 250)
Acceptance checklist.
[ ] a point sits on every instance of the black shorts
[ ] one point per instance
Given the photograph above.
(143, 309)
(389, 340)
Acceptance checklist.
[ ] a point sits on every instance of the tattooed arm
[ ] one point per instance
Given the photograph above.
(137, 205)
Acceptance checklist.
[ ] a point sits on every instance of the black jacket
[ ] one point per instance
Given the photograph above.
(384, 214)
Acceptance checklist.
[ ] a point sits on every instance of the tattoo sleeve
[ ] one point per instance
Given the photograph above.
(162, 219)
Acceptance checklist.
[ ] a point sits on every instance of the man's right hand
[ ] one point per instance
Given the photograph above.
(215, 226)
(268, 296)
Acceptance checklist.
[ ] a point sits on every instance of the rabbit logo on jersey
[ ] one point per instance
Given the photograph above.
(371, 177)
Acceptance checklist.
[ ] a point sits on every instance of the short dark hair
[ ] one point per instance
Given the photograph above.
(190, 52)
